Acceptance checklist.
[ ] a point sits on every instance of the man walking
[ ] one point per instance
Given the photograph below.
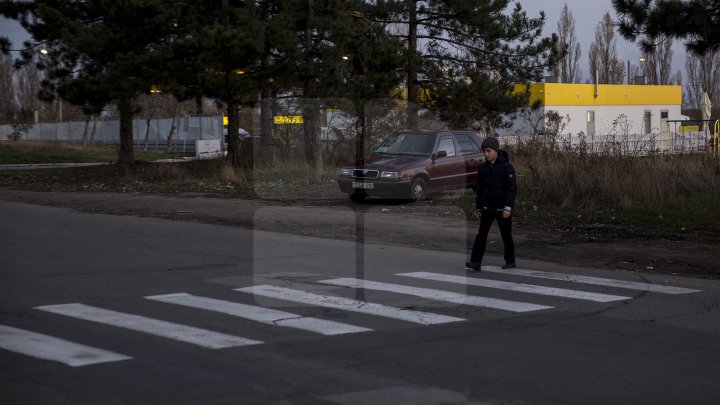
(496, 188)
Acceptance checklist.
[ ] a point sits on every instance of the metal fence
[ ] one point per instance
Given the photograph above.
(188, 129)
(668, 141)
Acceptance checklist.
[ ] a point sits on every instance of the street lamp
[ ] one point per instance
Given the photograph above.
(643, 60)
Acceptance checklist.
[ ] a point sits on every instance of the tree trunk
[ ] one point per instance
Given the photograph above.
(360, 140)
(412, 97)
(171, 134)
(94, 129)
(311, 121)
(311, 125)
(266, 125)
(126, 154)
(198, 106)
(233, 155)
(85, 131)
(147, 132)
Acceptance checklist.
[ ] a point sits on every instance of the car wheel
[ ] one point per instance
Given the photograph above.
(358, 197)
(418, 189)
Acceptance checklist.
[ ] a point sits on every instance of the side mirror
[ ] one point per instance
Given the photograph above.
(441, 154)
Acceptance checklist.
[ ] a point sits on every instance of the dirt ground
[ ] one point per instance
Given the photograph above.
(402, 224)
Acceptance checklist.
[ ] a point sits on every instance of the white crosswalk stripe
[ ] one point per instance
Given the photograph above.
(632, 285)
(73, 354)
(183, 333)
(526, 288)
(51, 348)
(260, 314)
(349, 305)
(438, 295)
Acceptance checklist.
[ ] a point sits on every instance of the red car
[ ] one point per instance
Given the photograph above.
(412, 164)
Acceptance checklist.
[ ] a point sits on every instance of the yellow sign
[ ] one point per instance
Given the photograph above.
(689, 128)
(287, 119)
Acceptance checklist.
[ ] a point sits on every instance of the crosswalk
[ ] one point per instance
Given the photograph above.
(76, 354)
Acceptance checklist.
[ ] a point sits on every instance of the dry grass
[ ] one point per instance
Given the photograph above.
(231, 174)
(557, 189)
(592, 181)
(295, 171)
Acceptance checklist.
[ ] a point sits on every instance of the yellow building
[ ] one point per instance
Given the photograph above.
(598, 109)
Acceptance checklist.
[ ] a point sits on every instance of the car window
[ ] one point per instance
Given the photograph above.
(408, 144)
(466, 144)
(447, 144)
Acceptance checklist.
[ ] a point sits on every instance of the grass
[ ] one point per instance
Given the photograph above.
(20, 152)
(587, 196)
(295, 180)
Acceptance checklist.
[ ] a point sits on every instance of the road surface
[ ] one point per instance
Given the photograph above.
(114, 309)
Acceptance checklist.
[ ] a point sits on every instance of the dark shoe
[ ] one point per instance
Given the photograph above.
(473, 266)
(509, 266)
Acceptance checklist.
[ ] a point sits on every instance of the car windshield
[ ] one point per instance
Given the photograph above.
(408, 143)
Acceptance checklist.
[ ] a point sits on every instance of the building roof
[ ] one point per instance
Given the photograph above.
(568, 94)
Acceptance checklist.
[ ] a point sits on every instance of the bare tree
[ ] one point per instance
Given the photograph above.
(19, 89)
(150, 105)
(658, 63)
(702, 74)
(163, 105)
(567, 69)
(28, 80)
(603, 55)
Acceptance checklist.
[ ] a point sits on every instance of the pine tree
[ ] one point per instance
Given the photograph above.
(466, 55)
(344, 55)
(696, 21)
(216, 52)
(97, 52)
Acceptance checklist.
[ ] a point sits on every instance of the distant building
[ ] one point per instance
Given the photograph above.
(571, 109)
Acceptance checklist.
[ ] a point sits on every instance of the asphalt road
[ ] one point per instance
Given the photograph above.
(108, 309)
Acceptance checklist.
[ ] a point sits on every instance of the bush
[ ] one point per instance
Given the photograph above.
(19, 129)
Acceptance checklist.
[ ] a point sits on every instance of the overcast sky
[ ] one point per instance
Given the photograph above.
(13, 30)
(587, 13)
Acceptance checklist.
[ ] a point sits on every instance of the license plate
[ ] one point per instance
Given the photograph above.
(357, 184)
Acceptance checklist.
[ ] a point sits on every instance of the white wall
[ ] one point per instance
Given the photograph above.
(605, 116)
(524, 121)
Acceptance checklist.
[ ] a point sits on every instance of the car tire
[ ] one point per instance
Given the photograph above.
(418, 189)
(357, 197)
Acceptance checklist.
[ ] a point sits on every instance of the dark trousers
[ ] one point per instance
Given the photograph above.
(505, 225)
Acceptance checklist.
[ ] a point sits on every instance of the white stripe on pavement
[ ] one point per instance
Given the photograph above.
(631, 285)
(526, 288)
(424, 318)
(438, 295)
(183, 333)
(260, 314)
(51, 348)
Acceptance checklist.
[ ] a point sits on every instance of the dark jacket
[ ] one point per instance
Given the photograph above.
(496, 186)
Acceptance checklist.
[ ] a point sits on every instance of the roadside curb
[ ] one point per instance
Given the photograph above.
(21, 166)
(27, 166)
